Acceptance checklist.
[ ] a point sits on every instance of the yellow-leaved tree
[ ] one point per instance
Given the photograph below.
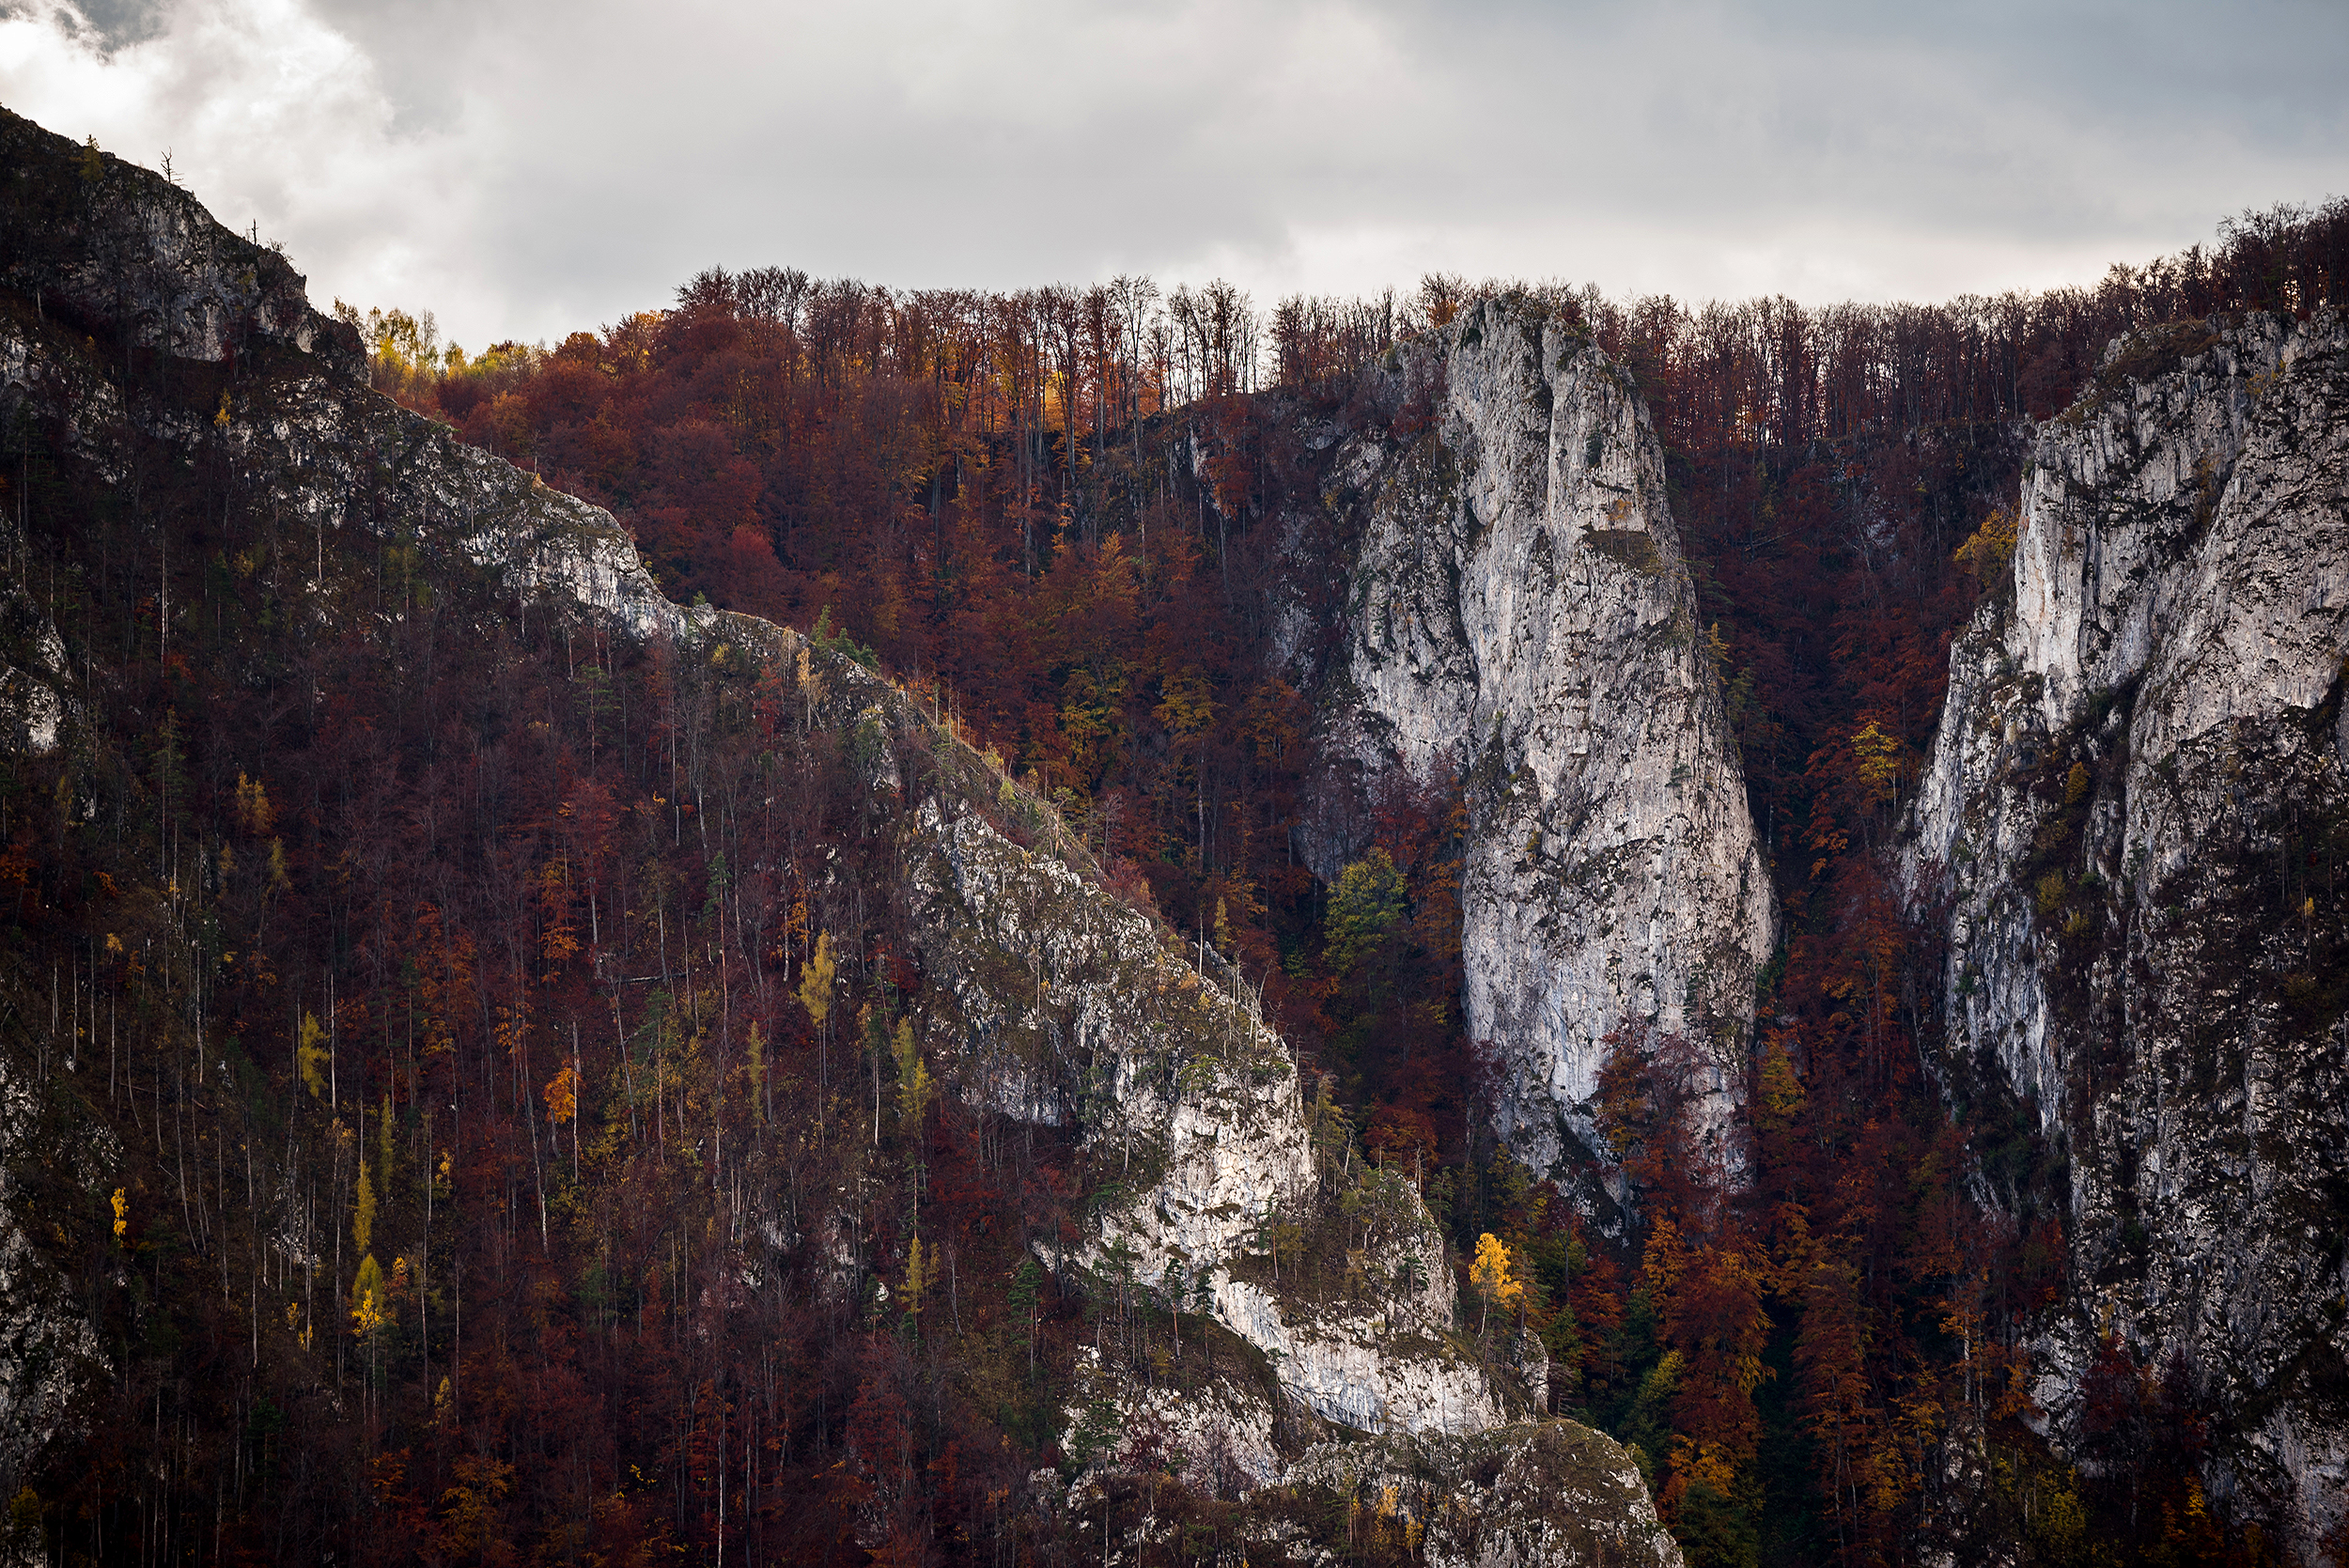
(310, 1055)
(815, 996)
(1881, 760)
(1364, 906)
(1781, 1087)
(363, 1214)
(1490, 1275)
(920, 1270)
(255, 814)
(815, 981)
(367, 1312)
(914, 1084)
(1990, 552)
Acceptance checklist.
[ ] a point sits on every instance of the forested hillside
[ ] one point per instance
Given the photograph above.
(591, 1080)
(1070, 510)
(562, 986)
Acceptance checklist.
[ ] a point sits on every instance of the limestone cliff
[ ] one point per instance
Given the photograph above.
(2137, 809)
(1072, 1008)
(1554, 1493)
(1520, 611)
(94, 242)
(32, 662)
(49, 1353)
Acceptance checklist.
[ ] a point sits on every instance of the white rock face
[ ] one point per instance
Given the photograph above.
(32, 665)
(2137, 804)
(1356, 1370)
(145, 257)
(1218, 1435)
(1520, 611)
(1076, 1006)
(1550, 1494)
(1079, 1009)
(33, 672)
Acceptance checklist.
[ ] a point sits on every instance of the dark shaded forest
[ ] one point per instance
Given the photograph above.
(590, 934)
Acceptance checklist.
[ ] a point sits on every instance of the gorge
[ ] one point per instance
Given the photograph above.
(1544, 939)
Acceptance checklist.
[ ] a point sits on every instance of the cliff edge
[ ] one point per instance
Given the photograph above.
(2135, 807)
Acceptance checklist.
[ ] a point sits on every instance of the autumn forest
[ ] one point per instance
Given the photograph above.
(561, 977)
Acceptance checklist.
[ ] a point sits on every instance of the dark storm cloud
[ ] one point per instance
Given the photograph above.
(529, 168)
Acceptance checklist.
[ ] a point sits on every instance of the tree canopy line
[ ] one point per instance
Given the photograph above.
(629, 917)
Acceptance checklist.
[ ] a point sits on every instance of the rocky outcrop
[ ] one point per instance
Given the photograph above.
(1072, 1008)
(2136, 810)
(50, 1357)
(1218, 1432)
(1520, 613)
(1547, 1494)
(1554, 1493)
(104, 245)
(32, 666)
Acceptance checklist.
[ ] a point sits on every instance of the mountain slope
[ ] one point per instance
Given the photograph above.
(584, 1073)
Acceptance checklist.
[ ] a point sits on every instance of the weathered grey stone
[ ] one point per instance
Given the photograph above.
(1520, 611)
(91, 239)
(2135, 804)
(1538, 1495)
(50, 1357)
(1078, 1009)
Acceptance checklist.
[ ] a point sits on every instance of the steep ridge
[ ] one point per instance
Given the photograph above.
(2136, 809)
(100, 243)
(1077, 1010)
(1214, 1180)
(1520, 611)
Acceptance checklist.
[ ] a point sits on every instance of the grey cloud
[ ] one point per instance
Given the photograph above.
(586, 158)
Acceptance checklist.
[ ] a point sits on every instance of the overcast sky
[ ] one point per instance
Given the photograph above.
(527, 167)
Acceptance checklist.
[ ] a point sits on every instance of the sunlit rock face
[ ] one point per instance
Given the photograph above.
(1520, 613)
(2136, 814)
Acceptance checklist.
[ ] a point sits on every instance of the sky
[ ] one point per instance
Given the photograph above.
(527, 169)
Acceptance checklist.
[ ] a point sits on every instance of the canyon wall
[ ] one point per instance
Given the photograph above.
(2136, 814)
